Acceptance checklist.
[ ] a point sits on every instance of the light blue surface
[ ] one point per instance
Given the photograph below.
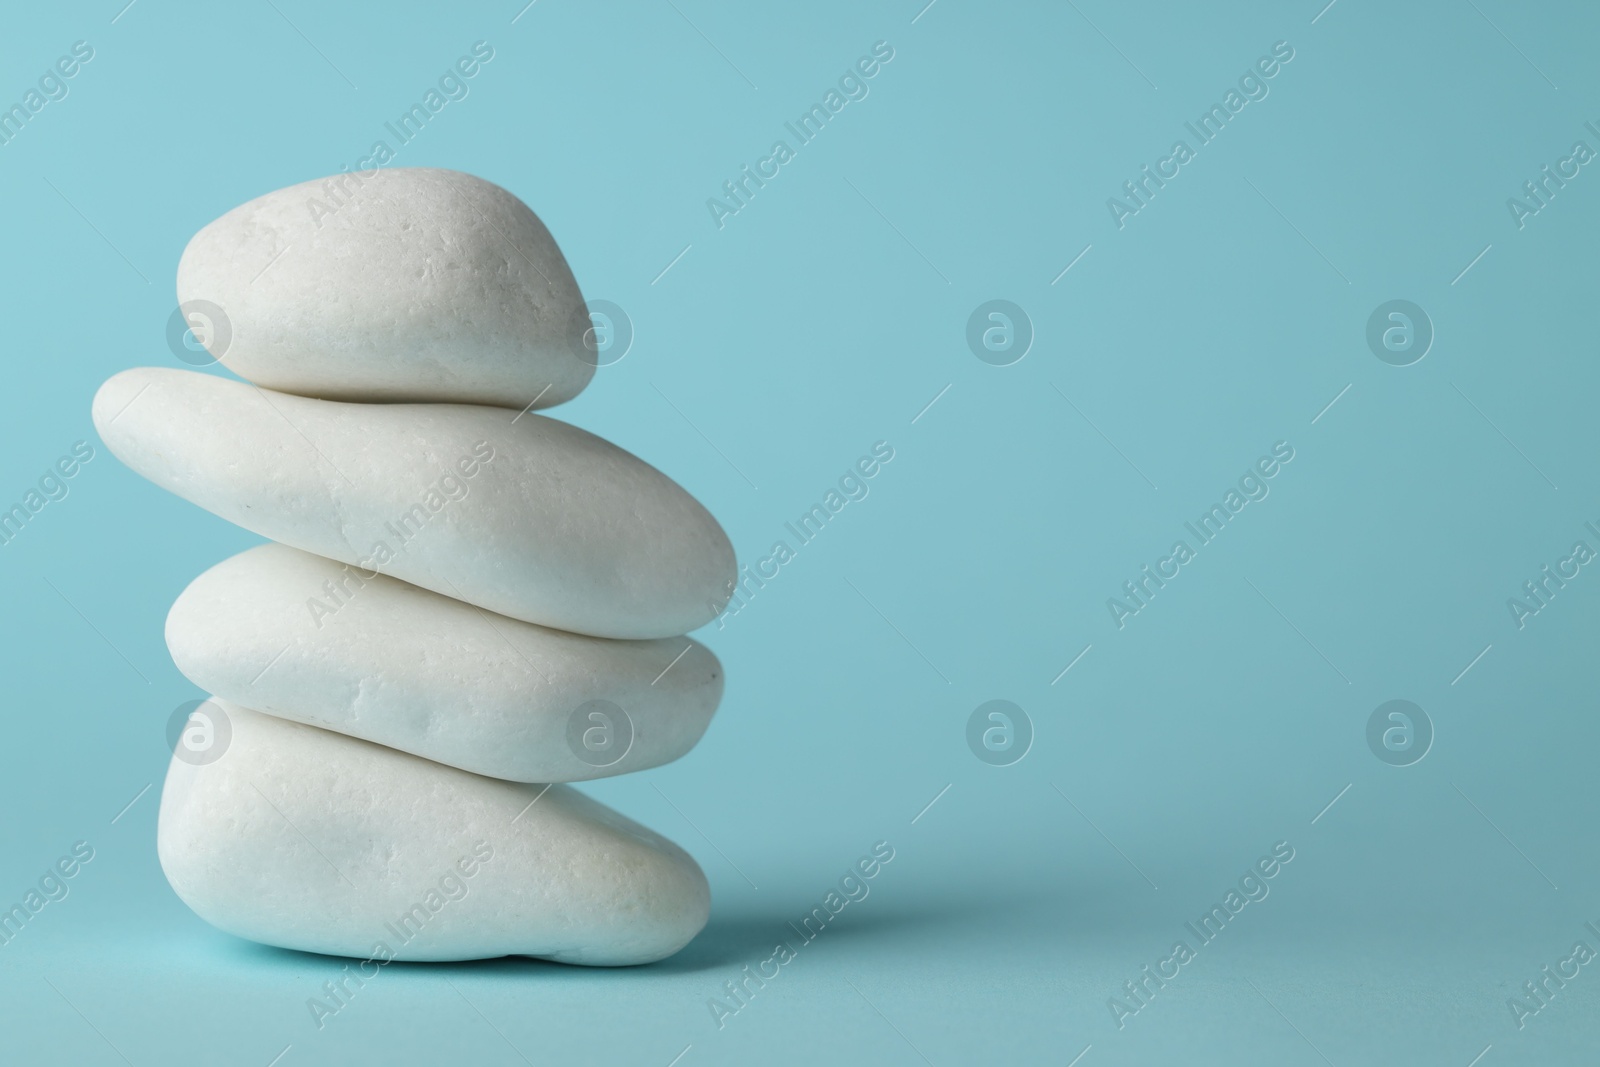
(823, 317)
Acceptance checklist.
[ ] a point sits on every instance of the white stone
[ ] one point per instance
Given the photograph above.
(305, 638)
(552, 525)
(423, 285)
(311, 840)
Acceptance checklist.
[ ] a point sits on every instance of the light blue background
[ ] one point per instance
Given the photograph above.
(823, 318)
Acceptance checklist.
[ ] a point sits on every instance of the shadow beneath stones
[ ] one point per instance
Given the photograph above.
(731, 939)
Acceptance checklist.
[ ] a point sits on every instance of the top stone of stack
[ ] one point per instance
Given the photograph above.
(412, 284)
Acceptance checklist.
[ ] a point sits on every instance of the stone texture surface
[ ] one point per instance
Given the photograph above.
(527, 517)
(422, 285)
(305, 638)
(311, 840)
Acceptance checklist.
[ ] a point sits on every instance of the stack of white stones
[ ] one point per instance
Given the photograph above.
(466, 601)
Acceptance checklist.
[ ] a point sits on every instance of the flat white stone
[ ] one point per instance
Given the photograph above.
(524, 515)
(305, 638)
(422, 284)
(311, 840)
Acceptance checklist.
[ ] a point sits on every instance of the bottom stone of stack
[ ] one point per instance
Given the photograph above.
(311, 840)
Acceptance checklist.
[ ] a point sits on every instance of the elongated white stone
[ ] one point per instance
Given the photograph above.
(524, 515)
(305, 638)
(311, 840)
(402, 284)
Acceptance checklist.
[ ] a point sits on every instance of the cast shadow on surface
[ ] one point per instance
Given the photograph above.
(731, 939)
(751, 931)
